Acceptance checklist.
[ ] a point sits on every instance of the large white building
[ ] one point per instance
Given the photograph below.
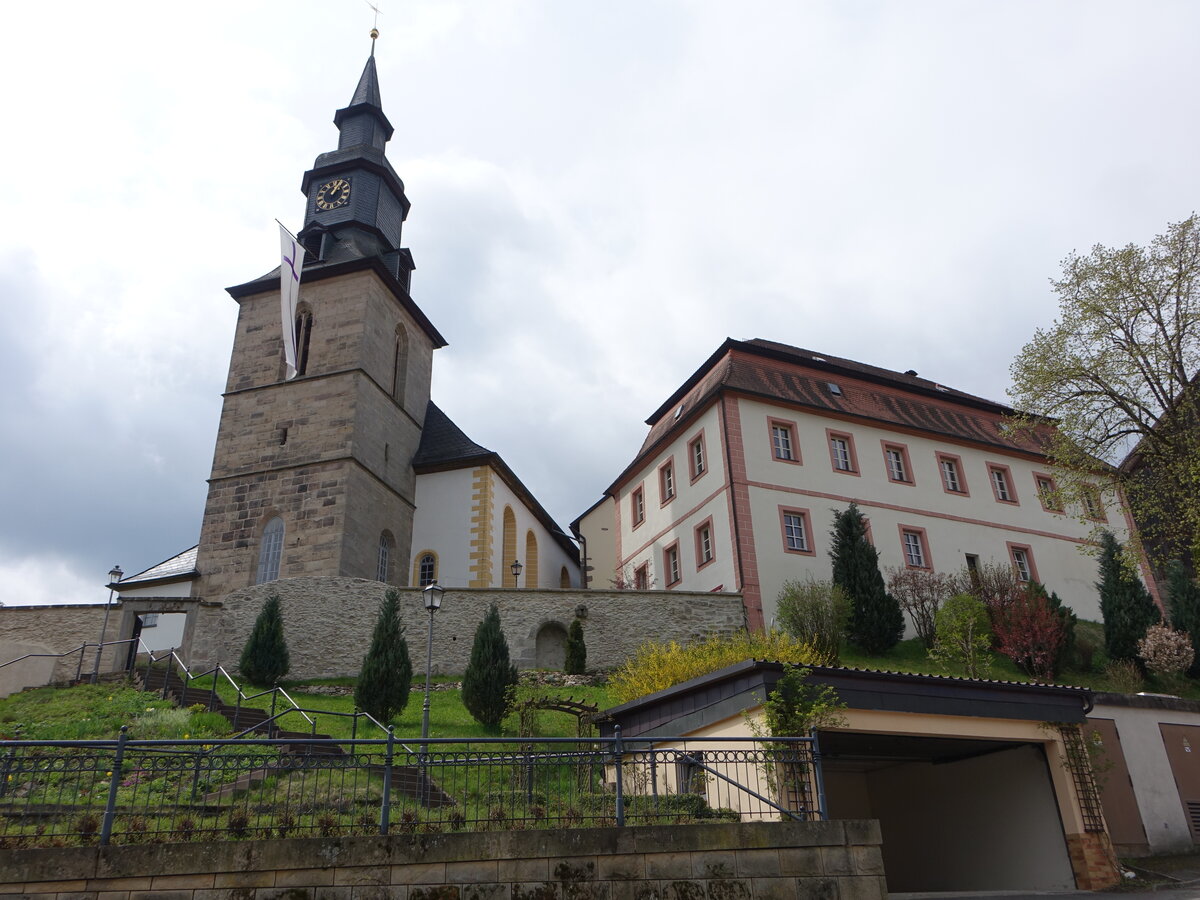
(736, 483)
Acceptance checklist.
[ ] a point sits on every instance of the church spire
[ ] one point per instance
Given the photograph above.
(356, 203)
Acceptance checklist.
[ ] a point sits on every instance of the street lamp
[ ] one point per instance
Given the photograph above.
(432, 596)
(516, 568)
(114, 578)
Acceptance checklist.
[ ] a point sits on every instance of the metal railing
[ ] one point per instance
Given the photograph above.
(131, 791)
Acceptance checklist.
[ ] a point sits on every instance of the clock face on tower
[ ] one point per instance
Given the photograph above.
(333, 194)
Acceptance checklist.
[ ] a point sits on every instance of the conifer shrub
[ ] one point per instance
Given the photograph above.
(814, 612)
(385, 677)
(1125, 604)
(654, 666)
(265, 657)
(876, 623)
(576, 661)
(489, 675)
(1183, 603)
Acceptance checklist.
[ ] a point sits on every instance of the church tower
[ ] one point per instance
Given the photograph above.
(313, 476)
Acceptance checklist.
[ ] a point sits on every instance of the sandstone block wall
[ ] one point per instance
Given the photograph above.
(750, 861)
(51, 629)
(328, 622)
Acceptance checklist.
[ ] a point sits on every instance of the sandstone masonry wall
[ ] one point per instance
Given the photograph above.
(328, 622)
(51, 629)
(838, 860)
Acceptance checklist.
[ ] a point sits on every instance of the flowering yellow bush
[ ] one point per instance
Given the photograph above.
(657, 666)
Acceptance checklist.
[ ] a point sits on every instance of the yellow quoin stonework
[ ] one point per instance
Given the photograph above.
(482, 499)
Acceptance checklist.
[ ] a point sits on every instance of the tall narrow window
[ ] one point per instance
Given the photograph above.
(383, 565)
(426, 570)
(841, 452)
(895, 457)
(1002, 485)
(637, 506)
(697, 462)
(783, 441)
(795, 531)
(671, 564)
(666, 481)
(304, 325)
(532, 578)
(564, 578)
(915, 556)
(270, 551)
(1020, 559)
(641, 577)
(508, 548)
(400, 365)
(953, 481)
(704, 543)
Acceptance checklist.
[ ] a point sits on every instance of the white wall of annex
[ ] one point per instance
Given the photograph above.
(551, 557)
(442, 523)
(598, 528)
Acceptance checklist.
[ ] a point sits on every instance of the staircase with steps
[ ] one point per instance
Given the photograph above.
(408, 780)
(240, 718)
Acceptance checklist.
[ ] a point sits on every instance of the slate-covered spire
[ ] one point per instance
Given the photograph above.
(356, 204)
(363, 121)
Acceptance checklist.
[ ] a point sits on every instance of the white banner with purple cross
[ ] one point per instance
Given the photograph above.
(289, 293)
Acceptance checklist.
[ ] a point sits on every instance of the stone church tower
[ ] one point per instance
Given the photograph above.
(314, 476)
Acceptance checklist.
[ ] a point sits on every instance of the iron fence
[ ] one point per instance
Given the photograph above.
(62, 793)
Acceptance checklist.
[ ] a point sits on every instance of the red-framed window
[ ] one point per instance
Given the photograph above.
(954, 476)
(1021, 556)
(914, 544)
(842, 454)
(896, 463)
(706, 550)
(637, 506)
(784, 445)
(1003, 487)
(697, 457)
(796, 528)
(671, 567)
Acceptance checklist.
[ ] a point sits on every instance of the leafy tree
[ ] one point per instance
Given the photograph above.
(876, 623)
(265, 657)
(576, 661)
(921, 594)
(964, 636)
(1118, 371)
(1183, 601)
(1125, 604)
(489, 675)
(386, 674)
(814, 612)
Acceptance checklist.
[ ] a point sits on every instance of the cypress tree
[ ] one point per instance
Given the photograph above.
(1183, 600)
(386, 674)
(489, 674)
(1125, 605)
(876, 623)
(576, 662)
(265, 657)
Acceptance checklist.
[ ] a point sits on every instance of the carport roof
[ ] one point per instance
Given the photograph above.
(719, 695)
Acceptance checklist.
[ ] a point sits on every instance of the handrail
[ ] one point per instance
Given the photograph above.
(81, 648)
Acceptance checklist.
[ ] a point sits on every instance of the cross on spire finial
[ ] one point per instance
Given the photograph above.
(374, 24)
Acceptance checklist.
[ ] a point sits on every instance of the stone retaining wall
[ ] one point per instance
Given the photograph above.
(838, 860)
(51, 629)
(328, 622)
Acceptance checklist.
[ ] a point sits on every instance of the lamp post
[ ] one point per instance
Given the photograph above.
(114, 578)
(432, 596)
(516, 568)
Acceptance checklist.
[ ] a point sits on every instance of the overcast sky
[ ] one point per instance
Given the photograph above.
(602, 192)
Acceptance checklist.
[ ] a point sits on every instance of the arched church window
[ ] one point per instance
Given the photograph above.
(270, 551)
(531, 561)
(383, 568)
(564, 578)
(304, 325)
(426, 569)
(400, 365)
(508, 551)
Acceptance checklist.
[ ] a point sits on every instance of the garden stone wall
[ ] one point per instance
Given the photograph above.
(328, 622)
(838, 860)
